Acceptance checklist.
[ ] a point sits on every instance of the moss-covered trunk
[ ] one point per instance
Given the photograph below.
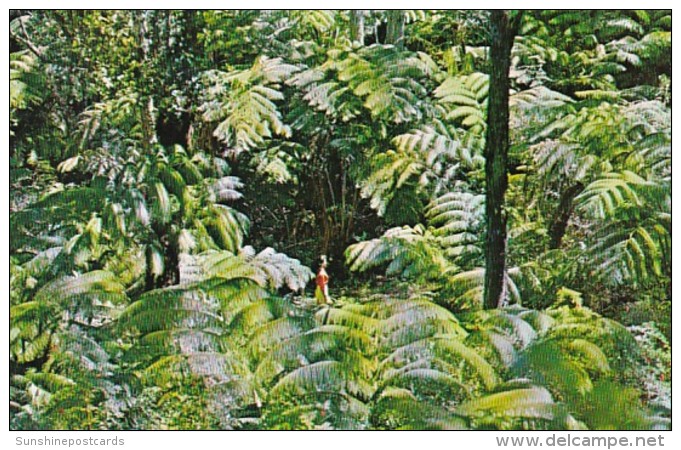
(502, 31)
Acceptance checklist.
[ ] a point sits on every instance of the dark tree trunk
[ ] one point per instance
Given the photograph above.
(149, 278)
(171, 260)
(502, 31)
(562, 216)
(395, 32)
(357, 25)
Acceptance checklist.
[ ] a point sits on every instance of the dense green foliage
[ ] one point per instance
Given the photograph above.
(176, 175)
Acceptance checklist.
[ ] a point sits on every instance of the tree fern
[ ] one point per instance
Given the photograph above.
(423, 161)
(192, 330)
(386, 89)
(391, 336)
(267, 268)
(408, 252)
(626, 252)
(26, 84)
(90, 299)
(318, 19)
(521, 408)
(616, 155)
(136, 303)
(603, 196)
(242, 103)
(65, 340)
(399, 409)
(458, 218)
(466, 96)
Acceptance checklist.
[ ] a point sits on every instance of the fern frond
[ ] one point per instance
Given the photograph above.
(399, 409)
(458, 218)
(450, 349)
(177, 307)
(388, 83)
(322, 375)
(535, 402)
(243, 103)
(601, 197)
(267, 268)
(466, 97)
(410, 251)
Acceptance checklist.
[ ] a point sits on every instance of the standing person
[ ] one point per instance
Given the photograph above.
(322, 280)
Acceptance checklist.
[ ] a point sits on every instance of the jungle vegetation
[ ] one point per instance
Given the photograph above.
(492, 191)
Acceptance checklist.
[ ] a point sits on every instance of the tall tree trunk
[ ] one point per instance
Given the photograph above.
(395, 31)
(357, 25)
(502, 31)
(149, 276)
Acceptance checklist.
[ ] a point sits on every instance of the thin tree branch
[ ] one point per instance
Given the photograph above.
(26, 40)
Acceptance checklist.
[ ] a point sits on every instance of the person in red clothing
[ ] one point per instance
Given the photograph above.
(322, 280)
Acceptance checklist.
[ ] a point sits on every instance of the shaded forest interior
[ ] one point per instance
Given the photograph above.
(492, 190)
